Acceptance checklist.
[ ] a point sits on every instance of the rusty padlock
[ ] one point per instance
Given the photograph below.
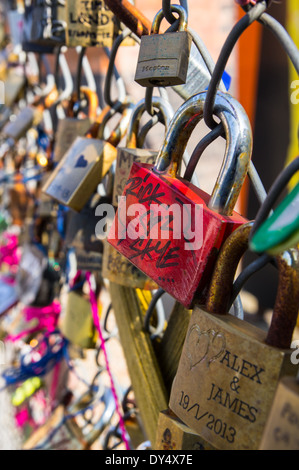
(281, 430)
(169, 207)
(229, 369)
(85, 164)
(163, 58)
(117, 268)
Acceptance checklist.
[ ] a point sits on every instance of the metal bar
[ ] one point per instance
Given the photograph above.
(130, 16)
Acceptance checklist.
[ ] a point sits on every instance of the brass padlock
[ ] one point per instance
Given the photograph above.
(14, 86)
(163, 58)
(281, 430)
(133, 152)
(76, 322)
(72, 126)
(85, 164)
(173, 434)
(229, 369)
(117, 268)
(89, 23)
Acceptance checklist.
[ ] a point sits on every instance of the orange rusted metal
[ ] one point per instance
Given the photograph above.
(130, 16)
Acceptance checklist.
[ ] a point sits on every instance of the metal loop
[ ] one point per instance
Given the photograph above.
(167, 11)
(79, 71)
(164, 114)
(112, 70)
(161, 317)
(239, 142)
(183, 19)
(224, 55)
(278, 186)
(200, 148)
(148, 100)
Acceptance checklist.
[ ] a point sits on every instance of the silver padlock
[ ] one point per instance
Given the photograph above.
(163, 58)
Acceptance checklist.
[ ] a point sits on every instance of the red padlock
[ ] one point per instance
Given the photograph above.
(179, 229)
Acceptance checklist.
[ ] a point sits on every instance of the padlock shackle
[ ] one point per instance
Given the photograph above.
(93, 102)
(121, 128)
(93, 131)
(237, 153)
(159, 103)
(286, 306)
(183, 23)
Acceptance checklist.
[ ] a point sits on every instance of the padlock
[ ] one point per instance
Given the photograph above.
(173, 434)
(14, 86)
(16, 129)
(76, 322)
(28, 117)
(116, 267)
(48, 22)
(229, 369)
(163, 58)
(89, 24)
(15, 20)
(29, 45)
(83, 167)
(169, 207)
(132, 152)
(81, 240)
(71, 127)
(281, 430)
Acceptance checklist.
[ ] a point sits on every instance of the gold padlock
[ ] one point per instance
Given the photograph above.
(133, 152)
(229, 369)
(89, 23)
(76, 322)
(83, 167)
(71, 127)
(281, 430)
(163, 58)
(173, 434)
